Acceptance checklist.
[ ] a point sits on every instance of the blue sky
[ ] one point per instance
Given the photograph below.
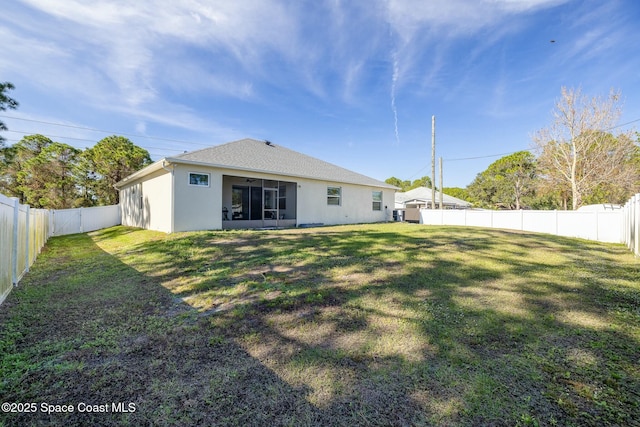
(353, 82)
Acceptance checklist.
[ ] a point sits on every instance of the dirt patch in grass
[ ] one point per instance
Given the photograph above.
(361, 325)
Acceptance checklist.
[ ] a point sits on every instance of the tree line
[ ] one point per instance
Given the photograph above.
(407, 185)
(575, 161)
(53, 175)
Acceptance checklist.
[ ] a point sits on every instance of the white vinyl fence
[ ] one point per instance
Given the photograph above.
(615, 226)
(24, 232)
(83, 220)
(631, 224)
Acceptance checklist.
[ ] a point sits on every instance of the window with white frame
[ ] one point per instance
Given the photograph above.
(377, 200)
(199, 179)
(334, 196)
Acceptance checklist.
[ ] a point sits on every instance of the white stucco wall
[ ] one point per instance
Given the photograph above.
(155, 211)
(356, 204)
(197, 207)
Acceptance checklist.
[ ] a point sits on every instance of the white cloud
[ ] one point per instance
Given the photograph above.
(119, 55)
(426, 30)
(456, 17)
(138, 46)
(129, 40)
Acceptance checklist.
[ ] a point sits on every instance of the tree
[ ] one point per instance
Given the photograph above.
(457, 192)
(6, 102)
(397, 183)
(577, 153)
(14, 160)
(86, 181)
(407, 185)
(112, 159)
(47, 174)
(509, 182)
(618, 192)
(425, 181)
(47, 180)
(39, 172)
(7, 178)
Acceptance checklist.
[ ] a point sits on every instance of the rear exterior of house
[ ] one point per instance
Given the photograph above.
(249, 184)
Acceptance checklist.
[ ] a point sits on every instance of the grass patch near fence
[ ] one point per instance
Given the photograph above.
(386, 324)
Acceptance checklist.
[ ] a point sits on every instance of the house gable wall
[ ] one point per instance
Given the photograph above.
(146, 203)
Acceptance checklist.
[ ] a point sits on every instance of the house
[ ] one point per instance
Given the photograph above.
(249, 184)
(408, 204)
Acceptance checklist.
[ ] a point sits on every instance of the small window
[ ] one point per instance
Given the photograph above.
(377, 200)
(199, 179)
(334, 194)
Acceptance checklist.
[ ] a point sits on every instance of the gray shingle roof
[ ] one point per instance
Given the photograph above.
(259, 156)
(424, 194)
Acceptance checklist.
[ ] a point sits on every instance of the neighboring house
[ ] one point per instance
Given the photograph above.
(408, 204)
(602, 207)
(249, 184)
(421, 198)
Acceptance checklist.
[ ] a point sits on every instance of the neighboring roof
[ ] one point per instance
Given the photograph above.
(603, 207)
(423, 194)
(262, 156)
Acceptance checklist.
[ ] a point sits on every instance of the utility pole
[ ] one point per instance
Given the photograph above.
(433, 162)
(441, 186)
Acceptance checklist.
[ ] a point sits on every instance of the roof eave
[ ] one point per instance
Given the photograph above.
(141, 173)
(237, 168)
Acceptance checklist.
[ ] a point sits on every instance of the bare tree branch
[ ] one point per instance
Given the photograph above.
(577, 150)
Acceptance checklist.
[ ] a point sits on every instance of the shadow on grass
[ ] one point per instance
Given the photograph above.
(373, 325)
(97, 332)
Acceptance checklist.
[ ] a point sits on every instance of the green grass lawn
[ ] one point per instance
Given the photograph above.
(386, 324)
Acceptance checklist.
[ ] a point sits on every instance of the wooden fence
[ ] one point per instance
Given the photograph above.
(614, 226)
(24, 232)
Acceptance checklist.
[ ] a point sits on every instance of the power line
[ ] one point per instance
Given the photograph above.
(624, 124)
(484, 157)
(526, 149)
(104, 131)
(150, 153)
(207, 145)
(87, 140)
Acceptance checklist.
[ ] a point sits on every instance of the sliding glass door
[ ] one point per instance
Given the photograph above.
(265, 203)
(247, 202)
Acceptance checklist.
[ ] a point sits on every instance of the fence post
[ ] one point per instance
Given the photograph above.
(27, 238)
(636, 221)
(81, 224)
(625, 215)
(629, 224)
(14, 249)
